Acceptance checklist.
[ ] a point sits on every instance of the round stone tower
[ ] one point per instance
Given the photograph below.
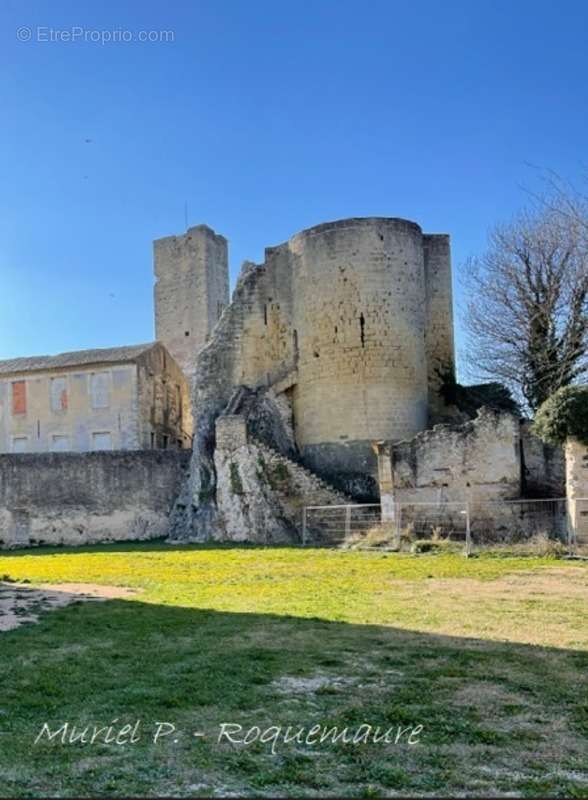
(359, 315)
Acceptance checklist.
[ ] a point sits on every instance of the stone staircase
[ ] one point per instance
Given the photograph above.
(318, 491)
(294, 488)
(293, 485)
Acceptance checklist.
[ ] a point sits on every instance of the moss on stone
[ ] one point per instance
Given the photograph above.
(280, 472)
(236, 482)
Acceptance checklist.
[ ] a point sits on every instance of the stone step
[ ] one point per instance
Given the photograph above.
(316, 481)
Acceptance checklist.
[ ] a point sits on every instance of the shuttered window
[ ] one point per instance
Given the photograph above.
(19, 397)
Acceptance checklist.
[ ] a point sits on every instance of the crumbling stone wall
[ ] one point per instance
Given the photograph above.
(543, 466)
(83, 498)
(476, 461)
(336, 318)
(426, 482)
(576, 459)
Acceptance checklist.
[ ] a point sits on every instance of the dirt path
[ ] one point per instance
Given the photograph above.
(21, 604)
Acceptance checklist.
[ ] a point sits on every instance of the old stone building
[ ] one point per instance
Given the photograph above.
(121, 398)
(342, 336)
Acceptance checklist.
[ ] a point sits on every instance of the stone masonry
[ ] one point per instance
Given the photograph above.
(83, 498)
(191, 291)
(577, 489)
(261, 493)
(351, 322)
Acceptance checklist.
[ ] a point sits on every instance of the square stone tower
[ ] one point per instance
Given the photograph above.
(191, 291)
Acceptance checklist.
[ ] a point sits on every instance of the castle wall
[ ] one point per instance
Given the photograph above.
(359, 313)
(439, 341)
(335, 317)
(191, 291)
(474, 462)
(83, 498)
(427, 482)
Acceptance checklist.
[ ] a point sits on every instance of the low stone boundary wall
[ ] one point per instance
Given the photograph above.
(84, 498)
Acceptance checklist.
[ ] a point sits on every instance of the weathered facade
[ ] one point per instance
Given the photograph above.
(493, 457)
(124, 398)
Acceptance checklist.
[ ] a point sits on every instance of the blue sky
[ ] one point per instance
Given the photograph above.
(265, 118)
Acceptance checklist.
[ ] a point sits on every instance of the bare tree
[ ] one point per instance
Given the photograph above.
(527, 312)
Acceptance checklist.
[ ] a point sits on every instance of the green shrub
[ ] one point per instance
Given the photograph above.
(563, 415)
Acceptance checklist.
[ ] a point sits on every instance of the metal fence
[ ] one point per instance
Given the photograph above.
(337, 524)
(463, 525)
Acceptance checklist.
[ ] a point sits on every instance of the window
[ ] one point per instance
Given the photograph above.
(152, 440)
(100, 389)
(102, 440)
(165, 442)
(58, 392)
(20, 444)
(19, 397)
(59, 443)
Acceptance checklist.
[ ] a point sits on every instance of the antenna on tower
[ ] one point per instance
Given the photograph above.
(186, 213)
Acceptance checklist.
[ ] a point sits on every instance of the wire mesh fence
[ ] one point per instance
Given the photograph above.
(543, 524)
(518, 521)
(333, 525)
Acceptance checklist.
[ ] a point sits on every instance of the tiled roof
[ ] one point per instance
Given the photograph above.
(79, 358)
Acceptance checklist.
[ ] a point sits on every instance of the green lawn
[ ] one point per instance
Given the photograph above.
(487, 654)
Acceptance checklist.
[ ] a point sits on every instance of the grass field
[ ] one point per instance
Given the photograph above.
(489, 655)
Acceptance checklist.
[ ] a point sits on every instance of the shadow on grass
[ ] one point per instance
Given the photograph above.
(90, 663)
(150, 545)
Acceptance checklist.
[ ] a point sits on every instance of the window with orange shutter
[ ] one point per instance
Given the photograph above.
(19, 397)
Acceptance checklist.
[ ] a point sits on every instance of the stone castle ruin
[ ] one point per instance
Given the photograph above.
(327, 379)
(332, 359)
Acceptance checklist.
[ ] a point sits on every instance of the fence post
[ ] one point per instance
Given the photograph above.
(468, 548)
(347, 522)
(398, 524)
(304, 526)
(571, 523)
